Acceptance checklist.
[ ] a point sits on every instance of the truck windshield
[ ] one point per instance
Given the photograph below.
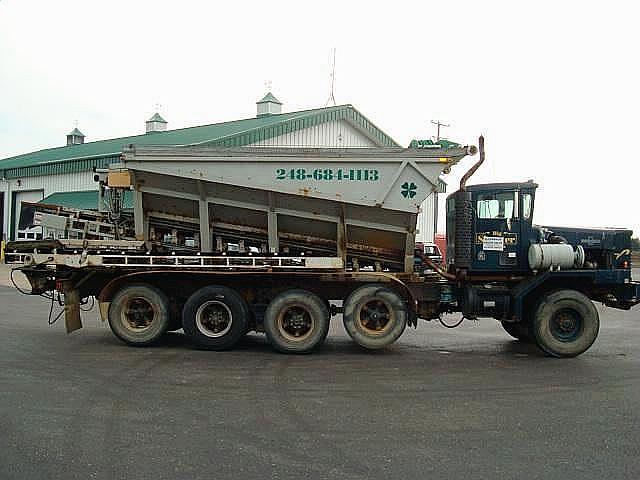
(495, 205)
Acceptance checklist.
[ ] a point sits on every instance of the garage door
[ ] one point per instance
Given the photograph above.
(18, 198)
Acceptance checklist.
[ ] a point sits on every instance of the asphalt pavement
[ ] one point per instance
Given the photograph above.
(467, 403)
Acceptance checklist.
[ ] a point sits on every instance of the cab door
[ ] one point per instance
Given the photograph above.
(497, 232)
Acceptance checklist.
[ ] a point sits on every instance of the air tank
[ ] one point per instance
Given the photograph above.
(561, 256)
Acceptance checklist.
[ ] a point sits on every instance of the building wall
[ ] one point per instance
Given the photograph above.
(326, 135)
(426, 224)
(48, 184)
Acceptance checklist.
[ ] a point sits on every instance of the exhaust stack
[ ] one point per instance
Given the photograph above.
(472, 170)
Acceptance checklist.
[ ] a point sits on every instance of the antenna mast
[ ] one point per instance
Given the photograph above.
(439, 124)
(332, 98)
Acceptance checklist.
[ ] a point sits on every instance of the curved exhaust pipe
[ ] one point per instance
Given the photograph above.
(472, 170)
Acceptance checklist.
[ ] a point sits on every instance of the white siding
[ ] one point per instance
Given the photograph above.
(67, 182)
(329, 135)
(269, 108)
(26, 196)
(426, 219)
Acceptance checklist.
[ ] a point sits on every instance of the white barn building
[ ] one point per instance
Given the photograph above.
(64, 175)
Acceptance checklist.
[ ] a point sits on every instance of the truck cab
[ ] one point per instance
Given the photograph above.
(500, 217)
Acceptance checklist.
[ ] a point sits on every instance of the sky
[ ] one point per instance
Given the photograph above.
(554, 86)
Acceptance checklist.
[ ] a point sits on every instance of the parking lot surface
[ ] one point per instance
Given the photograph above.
(465, 403)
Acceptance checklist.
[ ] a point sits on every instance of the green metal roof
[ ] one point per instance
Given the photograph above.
(269, 98)
(83, 200)
(157, 118)
(442, 143)
(238, 133)
(75, 132)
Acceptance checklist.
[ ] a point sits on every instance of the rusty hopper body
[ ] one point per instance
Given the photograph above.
(359, 205)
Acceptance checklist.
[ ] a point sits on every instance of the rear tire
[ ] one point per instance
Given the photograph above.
(296, 321)
(374, 316)
(139, 314)
(215, 318)
(566, 323)
(518, 330)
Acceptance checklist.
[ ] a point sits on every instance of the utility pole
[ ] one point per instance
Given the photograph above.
(439, 124)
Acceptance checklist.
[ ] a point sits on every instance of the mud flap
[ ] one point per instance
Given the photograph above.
(104, 310)
(72, 310)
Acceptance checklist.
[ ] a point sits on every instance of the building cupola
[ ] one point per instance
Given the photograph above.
(269, 105)
(156, 124)
(75, 137)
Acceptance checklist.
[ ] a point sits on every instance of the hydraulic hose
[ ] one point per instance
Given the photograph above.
(436, 268)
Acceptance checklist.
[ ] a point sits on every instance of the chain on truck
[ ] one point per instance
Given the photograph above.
(220, 242)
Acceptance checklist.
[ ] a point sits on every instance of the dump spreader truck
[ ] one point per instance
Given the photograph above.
(220, 242)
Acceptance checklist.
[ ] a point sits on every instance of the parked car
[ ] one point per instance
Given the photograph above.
(432, 251)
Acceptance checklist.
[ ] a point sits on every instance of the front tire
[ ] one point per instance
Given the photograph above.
(215, 318)
(565, 324)
(374, 316)
(296, 321)
(139, 314)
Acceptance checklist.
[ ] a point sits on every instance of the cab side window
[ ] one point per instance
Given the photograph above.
(527, 205)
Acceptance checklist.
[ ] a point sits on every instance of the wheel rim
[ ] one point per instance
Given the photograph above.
(295, 323)
(214, 319)
(566, 325)
(375, 317)
(138, 314)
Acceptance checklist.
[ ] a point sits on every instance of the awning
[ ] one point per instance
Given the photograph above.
(82, 200)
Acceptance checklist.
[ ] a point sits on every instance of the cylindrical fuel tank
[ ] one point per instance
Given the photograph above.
(543, 256)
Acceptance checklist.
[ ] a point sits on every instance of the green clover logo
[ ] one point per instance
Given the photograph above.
(409, 190)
